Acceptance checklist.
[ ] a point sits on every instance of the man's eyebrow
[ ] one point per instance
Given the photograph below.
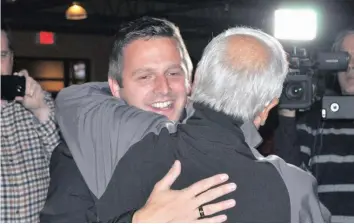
(141, 70)
(174, 66)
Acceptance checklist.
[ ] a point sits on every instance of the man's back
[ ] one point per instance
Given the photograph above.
(204, 147)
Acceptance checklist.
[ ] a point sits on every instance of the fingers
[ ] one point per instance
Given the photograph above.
(216, 219)
(35, 89)
(216, 207)
(206, 184)
(24, 73)
(166, 182)
(29, 86)
(32, 87)
(214, 193)
(19, 98)
(30, 90)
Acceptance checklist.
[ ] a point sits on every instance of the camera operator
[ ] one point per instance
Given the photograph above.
(326, 148)
(28, 136)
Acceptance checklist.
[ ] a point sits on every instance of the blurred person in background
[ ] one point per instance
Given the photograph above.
(324, 147)
(28, 136)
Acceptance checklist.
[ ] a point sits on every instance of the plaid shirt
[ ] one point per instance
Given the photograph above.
(26, 147)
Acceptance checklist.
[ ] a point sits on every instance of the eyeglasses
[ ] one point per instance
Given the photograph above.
(5, 54)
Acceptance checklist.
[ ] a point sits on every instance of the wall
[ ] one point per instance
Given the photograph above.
(94, 48)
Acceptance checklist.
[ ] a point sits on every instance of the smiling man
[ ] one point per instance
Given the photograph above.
(160, 85)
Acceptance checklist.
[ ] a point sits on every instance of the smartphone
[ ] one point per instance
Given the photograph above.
(12, 86)
(338, 107)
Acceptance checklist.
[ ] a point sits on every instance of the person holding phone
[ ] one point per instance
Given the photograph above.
(28, 136)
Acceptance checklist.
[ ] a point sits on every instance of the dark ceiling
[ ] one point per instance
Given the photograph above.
(194, 17)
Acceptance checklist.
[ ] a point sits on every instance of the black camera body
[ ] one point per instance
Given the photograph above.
(12, 86)
(300, 89)
(338, 107)
(297, 93)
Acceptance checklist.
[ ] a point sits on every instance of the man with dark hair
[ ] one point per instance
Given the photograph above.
(28, 137)
(149, 78)
(324, 147)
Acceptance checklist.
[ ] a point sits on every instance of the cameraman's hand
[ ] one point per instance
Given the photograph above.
(166, 205)
(287, 113)
(34, 98)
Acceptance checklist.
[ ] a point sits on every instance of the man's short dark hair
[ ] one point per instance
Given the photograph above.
(144, 27)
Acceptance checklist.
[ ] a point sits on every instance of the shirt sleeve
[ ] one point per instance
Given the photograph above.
(99, 129)
(48, 132)
(134, 179)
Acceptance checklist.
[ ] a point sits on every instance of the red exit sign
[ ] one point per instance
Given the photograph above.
(46, 38)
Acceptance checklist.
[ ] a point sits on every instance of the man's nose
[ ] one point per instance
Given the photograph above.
(162, 85)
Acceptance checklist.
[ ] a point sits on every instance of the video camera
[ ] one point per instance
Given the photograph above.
(301, 84)
(301, 87)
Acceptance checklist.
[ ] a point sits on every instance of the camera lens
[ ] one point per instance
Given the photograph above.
(294, 91)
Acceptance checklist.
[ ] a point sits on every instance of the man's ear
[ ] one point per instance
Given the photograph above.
(262, 117)
(264, 114)
(114, 86)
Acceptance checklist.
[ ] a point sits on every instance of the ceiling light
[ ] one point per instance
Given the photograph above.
(76, 12)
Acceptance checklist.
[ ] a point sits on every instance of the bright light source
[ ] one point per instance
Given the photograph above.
(295, 24)
(76, 12)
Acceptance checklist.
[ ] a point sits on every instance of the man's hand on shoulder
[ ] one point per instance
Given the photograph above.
(166, 205)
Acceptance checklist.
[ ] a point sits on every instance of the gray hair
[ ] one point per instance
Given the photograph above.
(337, 45)
(238, 91)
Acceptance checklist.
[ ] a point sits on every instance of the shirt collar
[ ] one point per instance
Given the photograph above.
(252, 136)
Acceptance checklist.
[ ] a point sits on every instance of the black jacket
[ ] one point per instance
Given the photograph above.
(68, 198)
(211, 143)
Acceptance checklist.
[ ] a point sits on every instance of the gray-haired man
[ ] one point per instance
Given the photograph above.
(238, 80)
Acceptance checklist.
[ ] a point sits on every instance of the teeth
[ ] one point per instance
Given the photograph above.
(162, 104)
